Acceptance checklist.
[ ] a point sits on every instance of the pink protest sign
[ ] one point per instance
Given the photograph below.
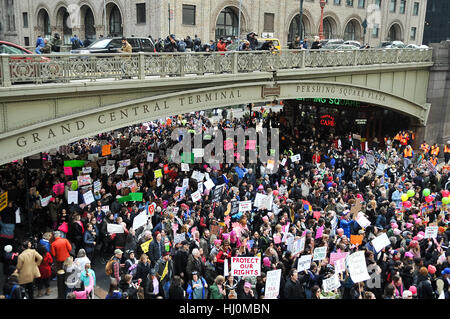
(174, 227)
(58, 189)
(227, 221)
(276, 239)
(286, 228)
(319, 232)
(251, 144)
(316, 215)
(68, 171)
(336, 256)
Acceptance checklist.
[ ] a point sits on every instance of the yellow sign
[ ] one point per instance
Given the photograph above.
(158, 173)
(3, 201)
(145, 246)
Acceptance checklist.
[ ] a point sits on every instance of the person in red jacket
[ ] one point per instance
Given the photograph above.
(224, 253)
(45, 268)
(221, 45)
(60, 249)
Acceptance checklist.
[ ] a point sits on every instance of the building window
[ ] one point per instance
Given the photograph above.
(27, 41)
(402, 6)
(375, 30)
(11, 23)
(337, 2)
(416, 9)
(413, 33)
(378, 3)
(361, 4)
(188, 14)
(392, 5)
(227, 24)
(349, 3)
(269, 22)
(140, 13)
(25, 19)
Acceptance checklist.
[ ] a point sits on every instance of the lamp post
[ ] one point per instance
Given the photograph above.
(322, 5)
(300, 21)
(239, 26)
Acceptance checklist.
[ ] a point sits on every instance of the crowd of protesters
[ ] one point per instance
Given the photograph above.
(318, 191)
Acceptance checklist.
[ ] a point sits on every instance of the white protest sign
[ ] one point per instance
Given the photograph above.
(304, 263)
(18, 220)
(87, 170)
(380, 169)
(97, 186)
(245, 206)
(246, 266)
(196, 196)
(184, 167)
(209, 184)
(115, 151)
(431, 232)
(88, 197)
(92, 157)
(179, 238)
(198, 152)
(110, 169)
(198, 176)
(362, 221)
(339, 265)
(298, 245)
(45, 201)
(295, 157)
(135, 139)
(380, 242)
(225, 267)
(185, 182)
(140, 220)
(120, 170)
(283, 162)
(272, 288)
(105, 208)
(110, 162)
(320, 253)
(72, 197)
(132, 171)
(357, 268)
(103, 169)
(115, 229)
(331, 283)
(125, 163)
(266, 203)
(150, 156)
(258, 199)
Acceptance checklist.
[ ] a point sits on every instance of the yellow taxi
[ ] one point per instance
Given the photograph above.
(276, 42)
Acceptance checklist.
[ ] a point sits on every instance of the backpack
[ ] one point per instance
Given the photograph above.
(181, 46)
(76, 44)
(109, 267)
(23, 294)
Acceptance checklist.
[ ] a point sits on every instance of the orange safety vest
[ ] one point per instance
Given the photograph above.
(407, 152)
(434, 150)
(434, 161)
(404, 139)
(446, 149)
(397, 137)
(425, 147)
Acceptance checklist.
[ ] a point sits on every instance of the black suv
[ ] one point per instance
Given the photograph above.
(113, 45)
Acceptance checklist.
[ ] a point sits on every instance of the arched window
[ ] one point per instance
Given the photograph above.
(227, 24)
(89, 25)
(293, 28)
(115, 22)
(44, 23)
(350, 31)
(327, 29)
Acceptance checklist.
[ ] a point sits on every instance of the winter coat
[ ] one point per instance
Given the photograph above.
(153, 252)
(214, 292)
(88, 240)
(45, 268)
(27, 265)
(424, 288)
(294, 290)
(189, 289)
(61, 248)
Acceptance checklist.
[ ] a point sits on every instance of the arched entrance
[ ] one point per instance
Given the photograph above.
(43, 23)
(88, 23)
(395, 33)
(63, 25)
(227, 23)
(114, 18)
(329, 28)
(352, 30)
(293, 28)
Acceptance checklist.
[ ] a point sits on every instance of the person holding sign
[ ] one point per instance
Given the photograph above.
(294, 286)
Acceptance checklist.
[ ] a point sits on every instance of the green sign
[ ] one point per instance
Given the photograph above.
(339, 102)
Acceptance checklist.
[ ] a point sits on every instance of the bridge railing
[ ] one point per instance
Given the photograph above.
(33, 68)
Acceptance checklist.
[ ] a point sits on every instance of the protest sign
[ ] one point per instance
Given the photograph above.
(115, 151)
(304, 263)
(158, 173)
(45, 201)
(320, 253)
(331, 283)
(151, 210)
(295, 158)
(88, 197)
(74, 185)
(380, 242)
(298, 245)
(339, 265)
(198, 152)
(184, 167)
(357, 268)
(110, 169)
(105, 208)
(3, 201)
(74, 163)
(92, 157)
(272, 288)
(196, 196)
(87, 170)
(125, 163)
(209, 184)
(115, 229)
(198, 176)
(132, 171)
(336, 256)
(178, 238)
(150, 156)
(68, 171)
(234, 207)
(120, 170)
(319, 232)
(72, 197)
(363, 221)
(58, 189)
(283, 161)
(356, 239)
(217, 193)
(106, 150)
(97, 186)
(370, 159)
(380, 169)
(145, 246)
(375, 278)
(431, 232)
(245, 206)
(258, 199)
(140, 220)
(246, 266)
(84, 180)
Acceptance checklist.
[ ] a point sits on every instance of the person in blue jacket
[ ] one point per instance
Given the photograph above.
(346, 223)
(197, 287)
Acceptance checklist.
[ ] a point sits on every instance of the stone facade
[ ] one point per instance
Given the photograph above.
(253, 15)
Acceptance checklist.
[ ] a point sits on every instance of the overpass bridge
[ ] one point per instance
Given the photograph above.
(47, 101)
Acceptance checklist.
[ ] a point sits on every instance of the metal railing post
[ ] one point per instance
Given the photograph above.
(141, 64)
(303, 58)
(6, 74)
(235, 63)
(355, 57)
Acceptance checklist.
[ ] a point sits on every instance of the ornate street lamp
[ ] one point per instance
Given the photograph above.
(322, 5)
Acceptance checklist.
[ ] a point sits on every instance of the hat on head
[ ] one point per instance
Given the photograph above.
(165, 253)
(8, 248)
(247, 285)
(118, 251)
(409, 225)
(217, 242)
(409, 255)
(345, 212)
(266, 261)
(397, 232)
(407, 294)
(413, 289)
(446, 271)
(184, 242)
(260, 187)
(431, 269)
(265, 218)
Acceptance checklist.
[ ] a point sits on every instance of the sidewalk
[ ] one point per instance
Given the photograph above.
(99, 293)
